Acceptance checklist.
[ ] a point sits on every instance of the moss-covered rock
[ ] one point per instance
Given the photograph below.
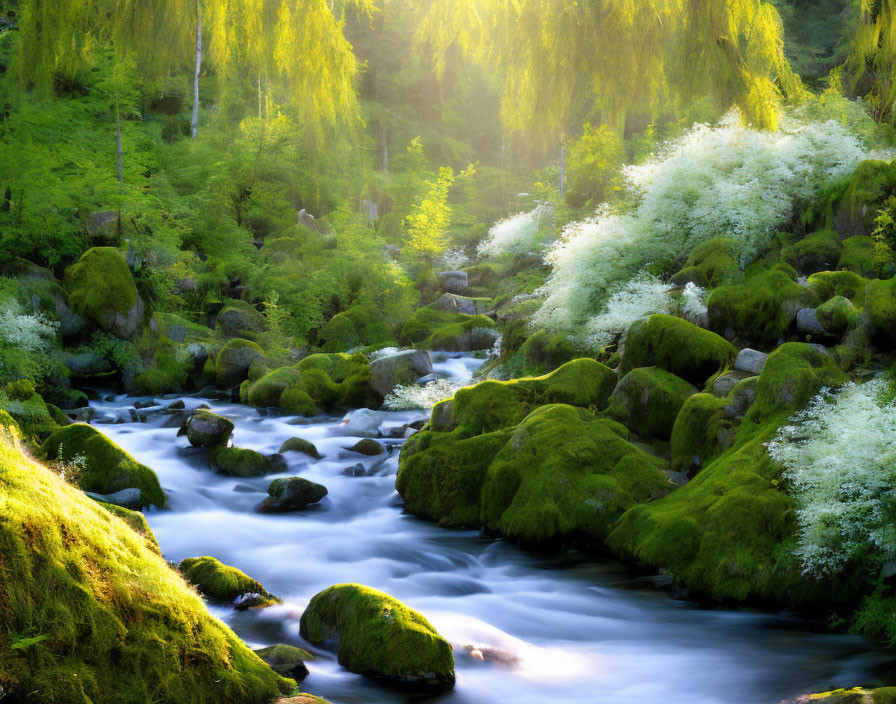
(544, 351)
(368, 446)
(286, 660)
(240, 319)
(855, 210)
(433, 329)
(680, 347)
(880, 309)
(702, 430)
(442, 468)
(837, 315)
(100, 288)
(300, 445)
(862, 256)
(91, 613)
(377, 635)
(359, 326)
(103, 467)
(565, 475)
(219, 582)
(815, 252)
(403, 368)
(268, 390)
(712, 263)
(292, 494)
(647, 401)
(206, 429)
(337, 380)
(233, 362)
(761, 309)
(241, 462)
(828, 284)
(724, 533)
(22, 402)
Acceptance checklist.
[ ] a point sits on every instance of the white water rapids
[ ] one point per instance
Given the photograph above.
(566, 629)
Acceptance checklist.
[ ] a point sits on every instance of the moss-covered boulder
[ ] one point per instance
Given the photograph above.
(292, 494)
(234, 360)
(92, 613)
(647, 401)
(219, 582)
(268, 390)
(565, 475)
(338, 380)
(855, 210)
(761, 309)
(712, 263)
(240, 319)
(815, 252)
(544, 351)
(28, 408)
(359, 326)
(100, 288)
(206, 429)
(828, 284)
(241, 462)
(837, 315)
(286, 660)
(403, 368)
(880, 310)
(680, 347)
(376, 635)
(725, 533)
(300, 445)
(702, 429)
(862, 256)
(433, 329)
(102, 466)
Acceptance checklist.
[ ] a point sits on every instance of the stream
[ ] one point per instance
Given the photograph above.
(569, 629)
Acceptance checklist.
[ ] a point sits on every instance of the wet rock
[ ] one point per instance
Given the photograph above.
(126, 498)
(86, 364)
(286, 660)
(206, 429)
(356, 470)
(300, 445)
(750, 361)
(453, 281)
(241, 462)
(368, 446)
(177, 405)
(362, 423)
(292, 494)
(142, 403)
(456, 304)
(401, 368)
(234, 360)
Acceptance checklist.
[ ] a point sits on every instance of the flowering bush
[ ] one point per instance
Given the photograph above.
(455, 258)
(726, 180)
(693, 304)
(518, 234)
(411, 397)
(639, 298)
(840, 464)
(27, 332)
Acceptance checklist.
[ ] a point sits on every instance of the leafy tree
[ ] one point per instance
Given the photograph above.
(426, 228)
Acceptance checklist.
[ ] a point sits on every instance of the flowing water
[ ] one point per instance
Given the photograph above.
(563, 629)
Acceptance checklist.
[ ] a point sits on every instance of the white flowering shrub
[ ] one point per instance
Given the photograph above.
(840, 463)
(27, 332)
(693, 304)
(518, 234)
(455, 258)
(412, 397)
(639, 298)
(727, 180)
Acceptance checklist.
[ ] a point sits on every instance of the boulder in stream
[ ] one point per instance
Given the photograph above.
(219, 582)
(292, 494)
(207, 429)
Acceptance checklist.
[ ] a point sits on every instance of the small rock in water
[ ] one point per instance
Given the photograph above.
(368, 447)
(300, 445)
(126, 498)
(142, 403)
(176, 406)
(286, 660)
(356, 470)
(362, 423)
(291, 494)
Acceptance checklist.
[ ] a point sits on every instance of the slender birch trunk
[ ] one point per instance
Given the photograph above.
(195, 122)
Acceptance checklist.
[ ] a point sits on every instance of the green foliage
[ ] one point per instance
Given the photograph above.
(426, 227)
(594, 162)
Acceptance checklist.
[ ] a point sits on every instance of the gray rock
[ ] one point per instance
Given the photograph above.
(453, 281)
(455, 304)
(362, 423)
(750, 361)
(286, 660)
(177, 333)
(292, 494)
(429, 378)
(483, 338)
(401, 368)
(197, 354)
(723, 385)
(235, 363)
(807, 322)
(208, 429)
(86, 364)
(236, 320)
(126, 498)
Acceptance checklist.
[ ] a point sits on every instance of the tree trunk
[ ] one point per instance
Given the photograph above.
(383, 147)
(195, 122)
(120, 154)
(562, 168)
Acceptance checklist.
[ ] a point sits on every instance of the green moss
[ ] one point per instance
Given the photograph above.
(295, 400)
(137, 522)
(723, 533)
(820, 250)
(268, 390)
(837, 315)
(856, 209)
(680, 347)
(828, 284)
(700, 432)
(240, 319)
(434, 329)
(219, 582)
(761, 309)
(113, 622)
(105, 467)
(563, 475)
(58, 415)
(336, 380)
(209, 430)
(647, 401)
(377, 635)
(359, 326)
(233, 362)
(711, 264)
(300, 445)
(153, 382)
(29, 410)
(862, 256)
(544, 352)
(100, 280)
(880, 309)
(240, 462)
